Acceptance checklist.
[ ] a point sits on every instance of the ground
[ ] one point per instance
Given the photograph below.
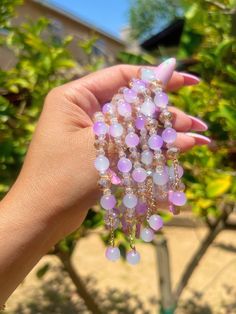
(123, 288)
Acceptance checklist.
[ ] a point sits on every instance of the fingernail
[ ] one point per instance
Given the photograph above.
(201, 139)
(198, 124)
(165, 70)
(190, 79)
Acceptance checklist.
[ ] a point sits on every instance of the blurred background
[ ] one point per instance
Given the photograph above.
(190, 268)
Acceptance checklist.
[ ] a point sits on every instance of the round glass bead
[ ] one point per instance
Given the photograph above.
(148, 108)
(131, 139)
(155, 142)
(148, 74)
(112, 253)
(147, 235)
(139, 174)
(155, 222)
(140, 123)
(108, 201)
(138, 86)
(161, 100)
(177, 198)
(141, 208)
(172, 172)
(133, 257)
(160, 178)
(124, 165)
(130, 95)
(130, 200)
(147, 157)
(100, 128)
(108, 108)
(102, 163)
(169, 135)
(124, 109)
(116, 130)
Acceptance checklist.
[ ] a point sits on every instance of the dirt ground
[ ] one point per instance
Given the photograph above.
(123, 288)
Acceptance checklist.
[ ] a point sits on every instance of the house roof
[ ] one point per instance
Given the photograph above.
(78, 19)
(168, 37)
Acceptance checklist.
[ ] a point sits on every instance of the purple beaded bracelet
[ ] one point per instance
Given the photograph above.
(137, 125)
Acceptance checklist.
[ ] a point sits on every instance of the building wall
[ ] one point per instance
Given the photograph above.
(63, 25)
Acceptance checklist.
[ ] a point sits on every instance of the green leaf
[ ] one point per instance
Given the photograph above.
(218, 186)
(43, 270)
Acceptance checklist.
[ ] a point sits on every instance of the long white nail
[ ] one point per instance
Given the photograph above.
(203, 139)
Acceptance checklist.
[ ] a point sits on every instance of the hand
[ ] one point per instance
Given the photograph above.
(58, 181)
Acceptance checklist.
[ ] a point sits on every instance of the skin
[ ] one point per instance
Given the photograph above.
(58, 182)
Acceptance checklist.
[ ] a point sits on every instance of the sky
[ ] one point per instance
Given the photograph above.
(108, 15)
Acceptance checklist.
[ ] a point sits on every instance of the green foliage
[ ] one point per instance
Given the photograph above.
(7, 11)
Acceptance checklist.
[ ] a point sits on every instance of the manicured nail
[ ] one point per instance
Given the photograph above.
(200, 139)
(165, 70)
(190, 79)
(198, 124)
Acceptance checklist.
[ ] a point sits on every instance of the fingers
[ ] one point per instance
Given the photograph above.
(186, 141)
(105, 83)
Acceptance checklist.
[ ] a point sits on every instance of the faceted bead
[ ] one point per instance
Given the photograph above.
(130, 95)
(131, 139)
(140, 123)
(124, 109)
(130, 200)
(147, 74)
(172, 172)
(112, 253)
(147, 235)
(108, 201)
(108, 108)
(139, 174)
(148, 108)
(141, 208)
(102, 163)
(177, 198)
(160, 178)
(124, 165)
(172, 153)
(155, 142)
(100, 128)
(133, 257)
(169, 135)
(161, 100)
(147, 157)
(155, 222)
(138, 86)
(116, 130)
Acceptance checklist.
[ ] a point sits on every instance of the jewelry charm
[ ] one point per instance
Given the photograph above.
(137, 126)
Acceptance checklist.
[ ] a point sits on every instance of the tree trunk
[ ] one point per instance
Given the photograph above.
(78, 282)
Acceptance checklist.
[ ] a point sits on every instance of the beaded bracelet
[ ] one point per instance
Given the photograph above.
(136, 125)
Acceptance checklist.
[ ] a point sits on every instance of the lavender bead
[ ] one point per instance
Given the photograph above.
(138, 86)
(130, 200)
(140, 123)
(141, 208)
(155, 142)
(124, 109)
(133, 257)
(148, 74)
(147, 157)
(131, 139)
(147, 235)
(124, 165)
(101, 163)
(169, 135)
(108, 108)
(139, 175)
(161, 100)
(148, 108)
(160, 178)
(112, 253)
(116, 130)
(130, 95)
(108, 201)
(100, 128)
(177, 198)
(155, 222)
(172, 172)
